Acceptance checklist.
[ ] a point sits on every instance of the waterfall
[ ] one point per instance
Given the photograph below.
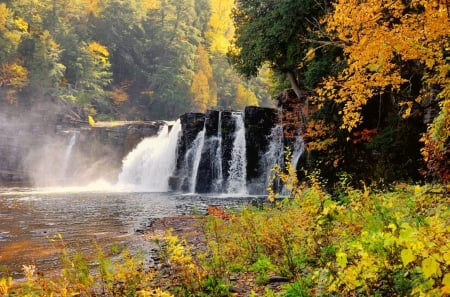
(195, 152)
(274, 155)
(217, 160)
(149, 166)
(237, 179)
(298, 150)
(67, 155)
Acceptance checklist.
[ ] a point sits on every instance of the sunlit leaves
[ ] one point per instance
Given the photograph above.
(203, 87)
(407, 256)
(220, 26)
(381, 37)
(99, 52)
(244, 97)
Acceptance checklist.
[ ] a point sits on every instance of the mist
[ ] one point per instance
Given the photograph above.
(49, 144)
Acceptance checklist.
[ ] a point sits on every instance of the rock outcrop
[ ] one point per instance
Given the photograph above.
(34, 146)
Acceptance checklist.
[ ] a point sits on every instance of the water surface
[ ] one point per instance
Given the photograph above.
(30, 217)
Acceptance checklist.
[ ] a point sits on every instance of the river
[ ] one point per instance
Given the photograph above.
(30, 218)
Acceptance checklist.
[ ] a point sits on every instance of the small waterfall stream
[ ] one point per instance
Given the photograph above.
(217, 161)
(237, 179)
(273, 156)
(67, 155)
(298, 150)
(196, 152)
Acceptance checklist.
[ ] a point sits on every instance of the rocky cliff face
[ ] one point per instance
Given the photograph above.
(209, 140)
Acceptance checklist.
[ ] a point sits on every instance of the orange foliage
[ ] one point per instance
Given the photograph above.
(218, 212)
(13, 75)
(118, 94)
(437, 159)
(380, 37)
(319, 135)
(364, 135)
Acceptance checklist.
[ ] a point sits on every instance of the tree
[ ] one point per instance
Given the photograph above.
(244, 97)
(220, 26)
(392, 47)
(203, 88)
(274, 32)
(200, 92)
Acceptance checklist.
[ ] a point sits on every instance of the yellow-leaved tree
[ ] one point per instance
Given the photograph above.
(244, 97)
(13, 74)
(381, 39)
(220, 26)
(203, 87)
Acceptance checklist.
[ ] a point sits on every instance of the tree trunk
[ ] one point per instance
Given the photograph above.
(294, 85)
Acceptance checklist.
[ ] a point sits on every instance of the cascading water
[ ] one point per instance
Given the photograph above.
(217, 160)
(274, 155)
(149, 166)
(67, 155)
(298, 150)
(195, 153)
(213, 161)
(237, 178)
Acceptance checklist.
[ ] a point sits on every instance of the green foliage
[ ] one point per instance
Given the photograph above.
(277, 33)
(370, 243)
(46, 49)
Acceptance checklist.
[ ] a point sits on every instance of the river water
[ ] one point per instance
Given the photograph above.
(29, 218)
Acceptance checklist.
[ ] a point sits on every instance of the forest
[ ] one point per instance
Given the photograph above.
(366, 215)
(122, 59)
(374, 76)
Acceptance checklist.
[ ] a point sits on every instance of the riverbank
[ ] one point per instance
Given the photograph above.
(191, 230)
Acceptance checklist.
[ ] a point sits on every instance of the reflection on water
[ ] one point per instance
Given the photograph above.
(28, 218)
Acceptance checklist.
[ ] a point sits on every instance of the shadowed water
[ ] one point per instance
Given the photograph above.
(28, 218)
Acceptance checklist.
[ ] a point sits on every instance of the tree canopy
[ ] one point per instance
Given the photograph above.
(276, 33)
(377, 70)
(119, 59)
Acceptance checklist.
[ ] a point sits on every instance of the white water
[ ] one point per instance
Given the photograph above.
(149, 166)
(299, 149)
(196, 151)
(237, 179)
(67, 155)
(275, 153)
(217, 162)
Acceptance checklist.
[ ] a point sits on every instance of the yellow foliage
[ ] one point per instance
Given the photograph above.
(203, 87)
(152, 4)
(98, 51)
(221, 27)
(244, 97)
(200, 91)
(91, 121)
(5, 13)
(13, 75)
(21, 24)
(5, 285)
(375, 44)
(92, 7)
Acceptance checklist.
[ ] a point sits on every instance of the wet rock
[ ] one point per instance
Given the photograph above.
(258, 125)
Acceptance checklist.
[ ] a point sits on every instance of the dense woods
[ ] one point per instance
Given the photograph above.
(374, 76)
(122, 59)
